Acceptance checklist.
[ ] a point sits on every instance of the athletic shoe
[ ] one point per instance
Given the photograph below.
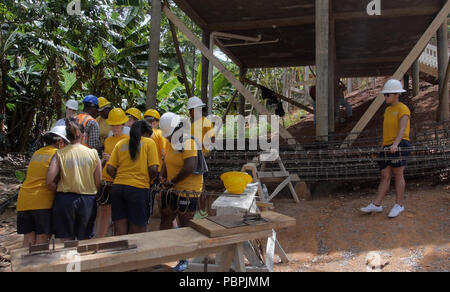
(181, 266)
(372, 208)
(396, 210)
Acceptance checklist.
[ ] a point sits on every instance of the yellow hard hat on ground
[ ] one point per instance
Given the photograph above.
(152, 113)
(117, 117)
(135, 113)
(103, 103)
(235, 182)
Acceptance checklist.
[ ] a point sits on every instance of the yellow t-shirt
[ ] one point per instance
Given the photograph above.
(174, 163)
(202, 129)
(34, 194)
(104, 128)
(160, 145)
(77, 165)
(110, 143)
(391, 124)
(134, 173)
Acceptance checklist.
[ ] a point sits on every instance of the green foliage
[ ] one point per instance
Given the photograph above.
(20, 176)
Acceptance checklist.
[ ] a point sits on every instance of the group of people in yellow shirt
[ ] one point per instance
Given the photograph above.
(71, 187)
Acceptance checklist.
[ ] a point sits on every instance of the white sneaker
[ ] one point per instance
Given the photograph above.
(372, 208)
(396, 210)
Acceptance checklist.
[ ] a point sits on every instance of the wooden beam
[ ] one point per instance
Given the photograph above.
(184, 5)
(387, 59)
(406, 64)
(242, 72)
(322, 65)
(415, 72)
(230, 104)
(307, 20)
(205, 68)
(223, 70)
(153, 56)
(332, 69)
(442, 52)
(282, 97)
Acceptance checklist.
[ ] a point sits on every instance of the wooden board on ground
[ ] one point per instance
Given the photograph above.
(211, 229)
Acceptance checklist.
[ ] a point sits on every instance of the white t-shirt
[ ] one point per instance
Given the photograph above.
(126, 131)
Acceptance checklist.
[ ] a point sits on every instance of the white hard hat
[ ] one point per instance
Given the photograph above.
(60, 131)
(72, 104)
(168, 122)
(393, 86)
(195, 102)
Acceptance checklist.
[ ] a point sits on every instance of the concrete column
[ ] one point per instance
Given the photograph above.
(322, 64)
(415, 77)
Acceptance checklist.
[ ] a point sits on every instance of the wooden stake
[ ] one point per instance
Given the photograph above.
(153, 57)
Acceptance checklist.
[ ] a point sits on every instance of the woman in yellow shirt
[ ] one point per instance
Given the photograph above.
(133, 165)
(152, 116)
(396, 146)
(75, 174)
(116, 120)
(35, 201)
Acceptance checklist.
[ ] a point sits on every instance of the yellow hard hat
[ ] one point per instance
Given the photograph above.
(235, 182)
(135, 113)
(117, 117)
(152, 113)
(103, 103)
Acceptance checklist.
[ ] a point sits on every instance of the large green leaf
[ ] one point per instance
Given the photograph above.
(68, 80)
(98, 53)
(168, 88)
(219, 83)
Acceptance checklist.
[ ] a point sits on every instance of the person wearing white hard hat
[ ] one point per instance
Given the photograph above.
(35, 200)
(179, 174)
(396, 147)
(71, 111)
(201, 127)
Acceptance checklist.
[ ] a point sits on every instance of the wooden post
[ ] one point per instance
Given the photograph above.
(442, 47)
(333, 105)
(406, 82)
(406, 64)
(176, 44)
(242, 72)
(322, 64)
(226, 73)
(153, 57)
(415, 78)
(205, 68)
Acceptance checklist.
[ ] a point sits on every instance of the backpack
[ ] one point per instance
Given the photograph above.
(202, 166)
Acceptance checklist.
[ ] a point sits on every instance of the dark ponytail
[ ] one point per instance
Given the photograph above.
(138, 129)
(72, 129)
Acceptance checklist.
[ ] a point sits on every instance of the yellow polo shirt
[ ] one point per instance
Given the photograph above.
(160, 145)
(174, 163)
(110, 143)
(391, 123)
(134, 173)
(34, 194)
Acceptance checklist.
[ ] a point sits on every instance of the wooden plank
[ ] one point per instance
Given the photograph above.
(152, 248)
(305, 20)
(213, 230)
(238, 259)
(153, 57)
(406, 64)
(223, 70)
(282, 97)
(442, 54)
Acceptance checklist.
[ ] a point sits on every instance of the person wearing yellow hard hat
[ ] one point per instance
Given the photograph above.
(104, 107)
(152, 116)
(133, 115)
(117, 120)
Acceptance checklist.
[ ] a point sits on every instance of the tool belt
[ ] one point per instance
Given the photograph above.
(104, 195)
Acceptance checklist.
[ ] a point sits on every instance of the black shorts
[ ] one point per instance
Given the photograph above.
(131, 203)
(37, 221)
(74, 215)
(104, 195)
(177, 203)
(394, 160)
